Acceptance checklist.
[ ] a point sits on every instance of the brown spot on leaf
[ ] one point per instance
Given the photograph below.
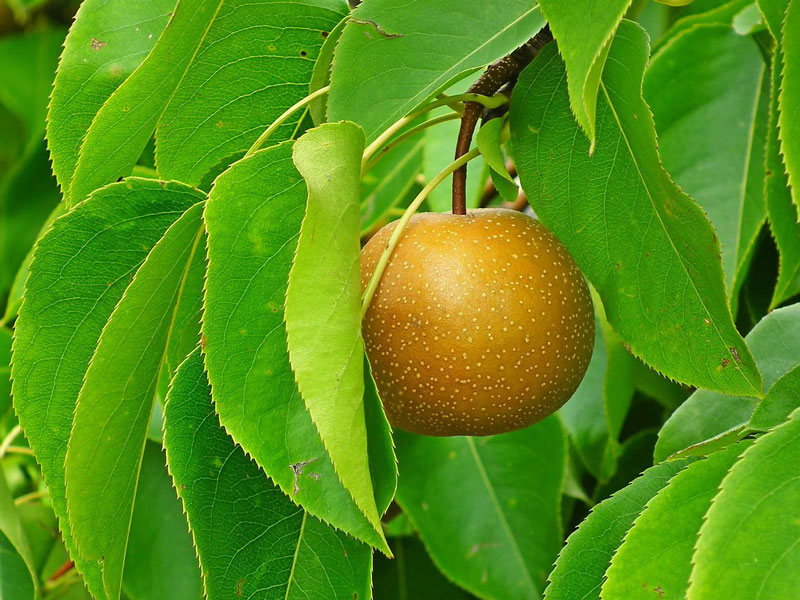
(97, 44)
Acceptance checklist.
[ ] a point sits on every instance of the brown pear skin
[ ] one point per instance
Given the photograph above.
(481, 324)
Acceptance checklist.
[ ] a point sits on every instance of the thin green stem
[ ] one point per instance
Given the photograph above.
(9, 439)
(487, 101)
(409, 133)
(283, 118)
(402, 222)
(32, 496)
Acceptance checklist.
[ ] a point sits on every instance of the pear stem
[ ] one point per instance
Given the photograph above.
(283, 118)
(501, 73)
(402, 222)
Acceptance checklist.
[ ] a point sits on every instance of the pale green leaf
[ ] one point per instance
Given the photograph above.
(752, 528)
(656, 553)
(253, 217)
(775, 343)
(18, 577)
(323, 304)
(393, 57)
(321, 74)
(79, 272)
(780, 402)
(487, 509)
(710, 108)
(107, 41)
(161, 561)
(789, 97)
(580, 567)
(645, 245)
(255, 62)
(251, 539)
(125, 123)
(489, 141)
(115, 403)
(583, 30)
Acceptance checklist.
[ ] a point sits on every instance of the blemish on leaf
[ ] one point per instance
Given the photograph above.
(735, 354)
(97, 44)
(303, 53)
(725, 362)
(377, 28)
(297, 470)
(239, 590)
(324, 33)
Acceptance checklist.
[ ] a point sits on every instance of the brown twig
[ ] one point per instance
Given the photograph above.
(501, 73)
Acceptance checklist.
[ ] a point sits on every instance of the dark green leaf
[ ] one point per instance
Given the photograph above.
(251, 539)
(107, 41)
(488, 509)
(79, 272)
(160, 561)
(580, 567)
(583, 30)
(323, 304)
(775, 343)
(774, 12)
(751, 529)
(117, 397)
(125, 123)
(411, 574)
(5, 370)
(713, 13)
(594, 414)
(646, 247)
(253, 216)
(392, 57)
(18, 577)
(710, 109)
(656, 553)
(321, 74)
(243, 77)
(29, 62)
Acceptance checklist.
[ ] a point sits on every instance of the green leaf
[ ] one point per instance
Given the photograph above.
(781, 400)
(789, 97)
(29, 61)
(115, 403)
(714, 13)
(253, 217)
(321, 74)
(580, 567)
(751, 528)
(380, 446)
(392, 58)
(243, 77)
(656, 553)
(645, 246)
(18, 577)
(390, 180)
(125, 123)
(775, 343)
(28, 194)
(782, 212)
(411, 574)
(584, 31)
(79, 272)
(490, 140)
(106, 42)
(773, 12)
(5, 370)
(161, 560)
(323, 304)
(251, 539)
(594, 414)
(748, 20)
(710, 108)
(487, 509)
